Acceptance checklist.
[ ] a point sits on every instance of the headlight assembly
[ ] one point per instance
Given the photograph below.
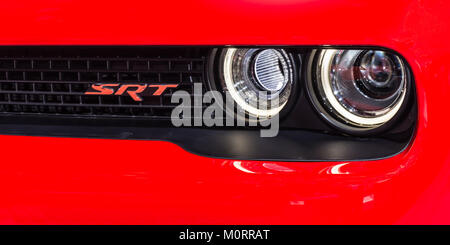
(249, 71)
(348, 90)
(358, 90)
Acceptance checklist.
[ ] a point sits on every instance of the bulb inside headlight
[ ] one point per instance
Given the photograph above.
(249, 71)
(360, 88)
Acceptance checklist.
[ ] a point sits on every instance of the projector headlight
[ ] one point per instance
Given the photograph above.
(249, 71)
(358, 89)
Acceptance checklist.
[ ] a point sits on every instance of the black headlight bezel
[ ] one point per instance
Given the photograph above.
(314, 116)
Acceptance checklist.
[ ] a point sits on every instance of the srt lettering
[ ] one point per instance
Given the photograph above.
(133, 90)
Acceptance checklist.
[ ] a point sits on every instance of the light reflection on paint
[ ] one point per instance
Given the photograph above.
(297, 203)
(336, 169)
(368, 198)
(277, 167)
(238, 165)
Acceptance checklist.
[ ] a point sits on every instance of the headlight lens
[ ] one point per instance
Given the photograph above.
(360, 88)
(249, 71)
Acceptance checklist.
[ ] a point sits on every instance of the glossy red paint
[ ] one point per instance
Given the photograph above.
(91, 181)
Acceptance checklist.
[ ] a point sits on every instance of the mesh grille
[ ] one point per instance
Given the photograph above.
(52, 80)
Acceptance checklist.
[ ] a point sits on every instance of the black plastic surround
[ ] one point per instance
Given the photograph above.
(304, 134)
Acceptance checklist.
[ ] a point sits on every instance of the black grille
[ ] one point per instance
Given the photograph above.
(53, 80)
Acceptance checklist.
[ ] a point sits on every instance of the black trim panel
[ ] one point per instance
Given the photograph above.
(242, 144)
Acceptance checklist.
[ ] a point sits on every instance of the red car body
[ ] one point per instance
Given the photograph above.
(97, 181)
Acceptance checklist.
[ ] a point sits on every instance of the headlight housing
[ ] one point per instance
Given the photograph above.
(358, 90)
(255, 77)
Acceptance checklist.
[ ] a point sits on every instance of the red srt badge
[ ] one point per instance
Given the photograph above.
(133, 90)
